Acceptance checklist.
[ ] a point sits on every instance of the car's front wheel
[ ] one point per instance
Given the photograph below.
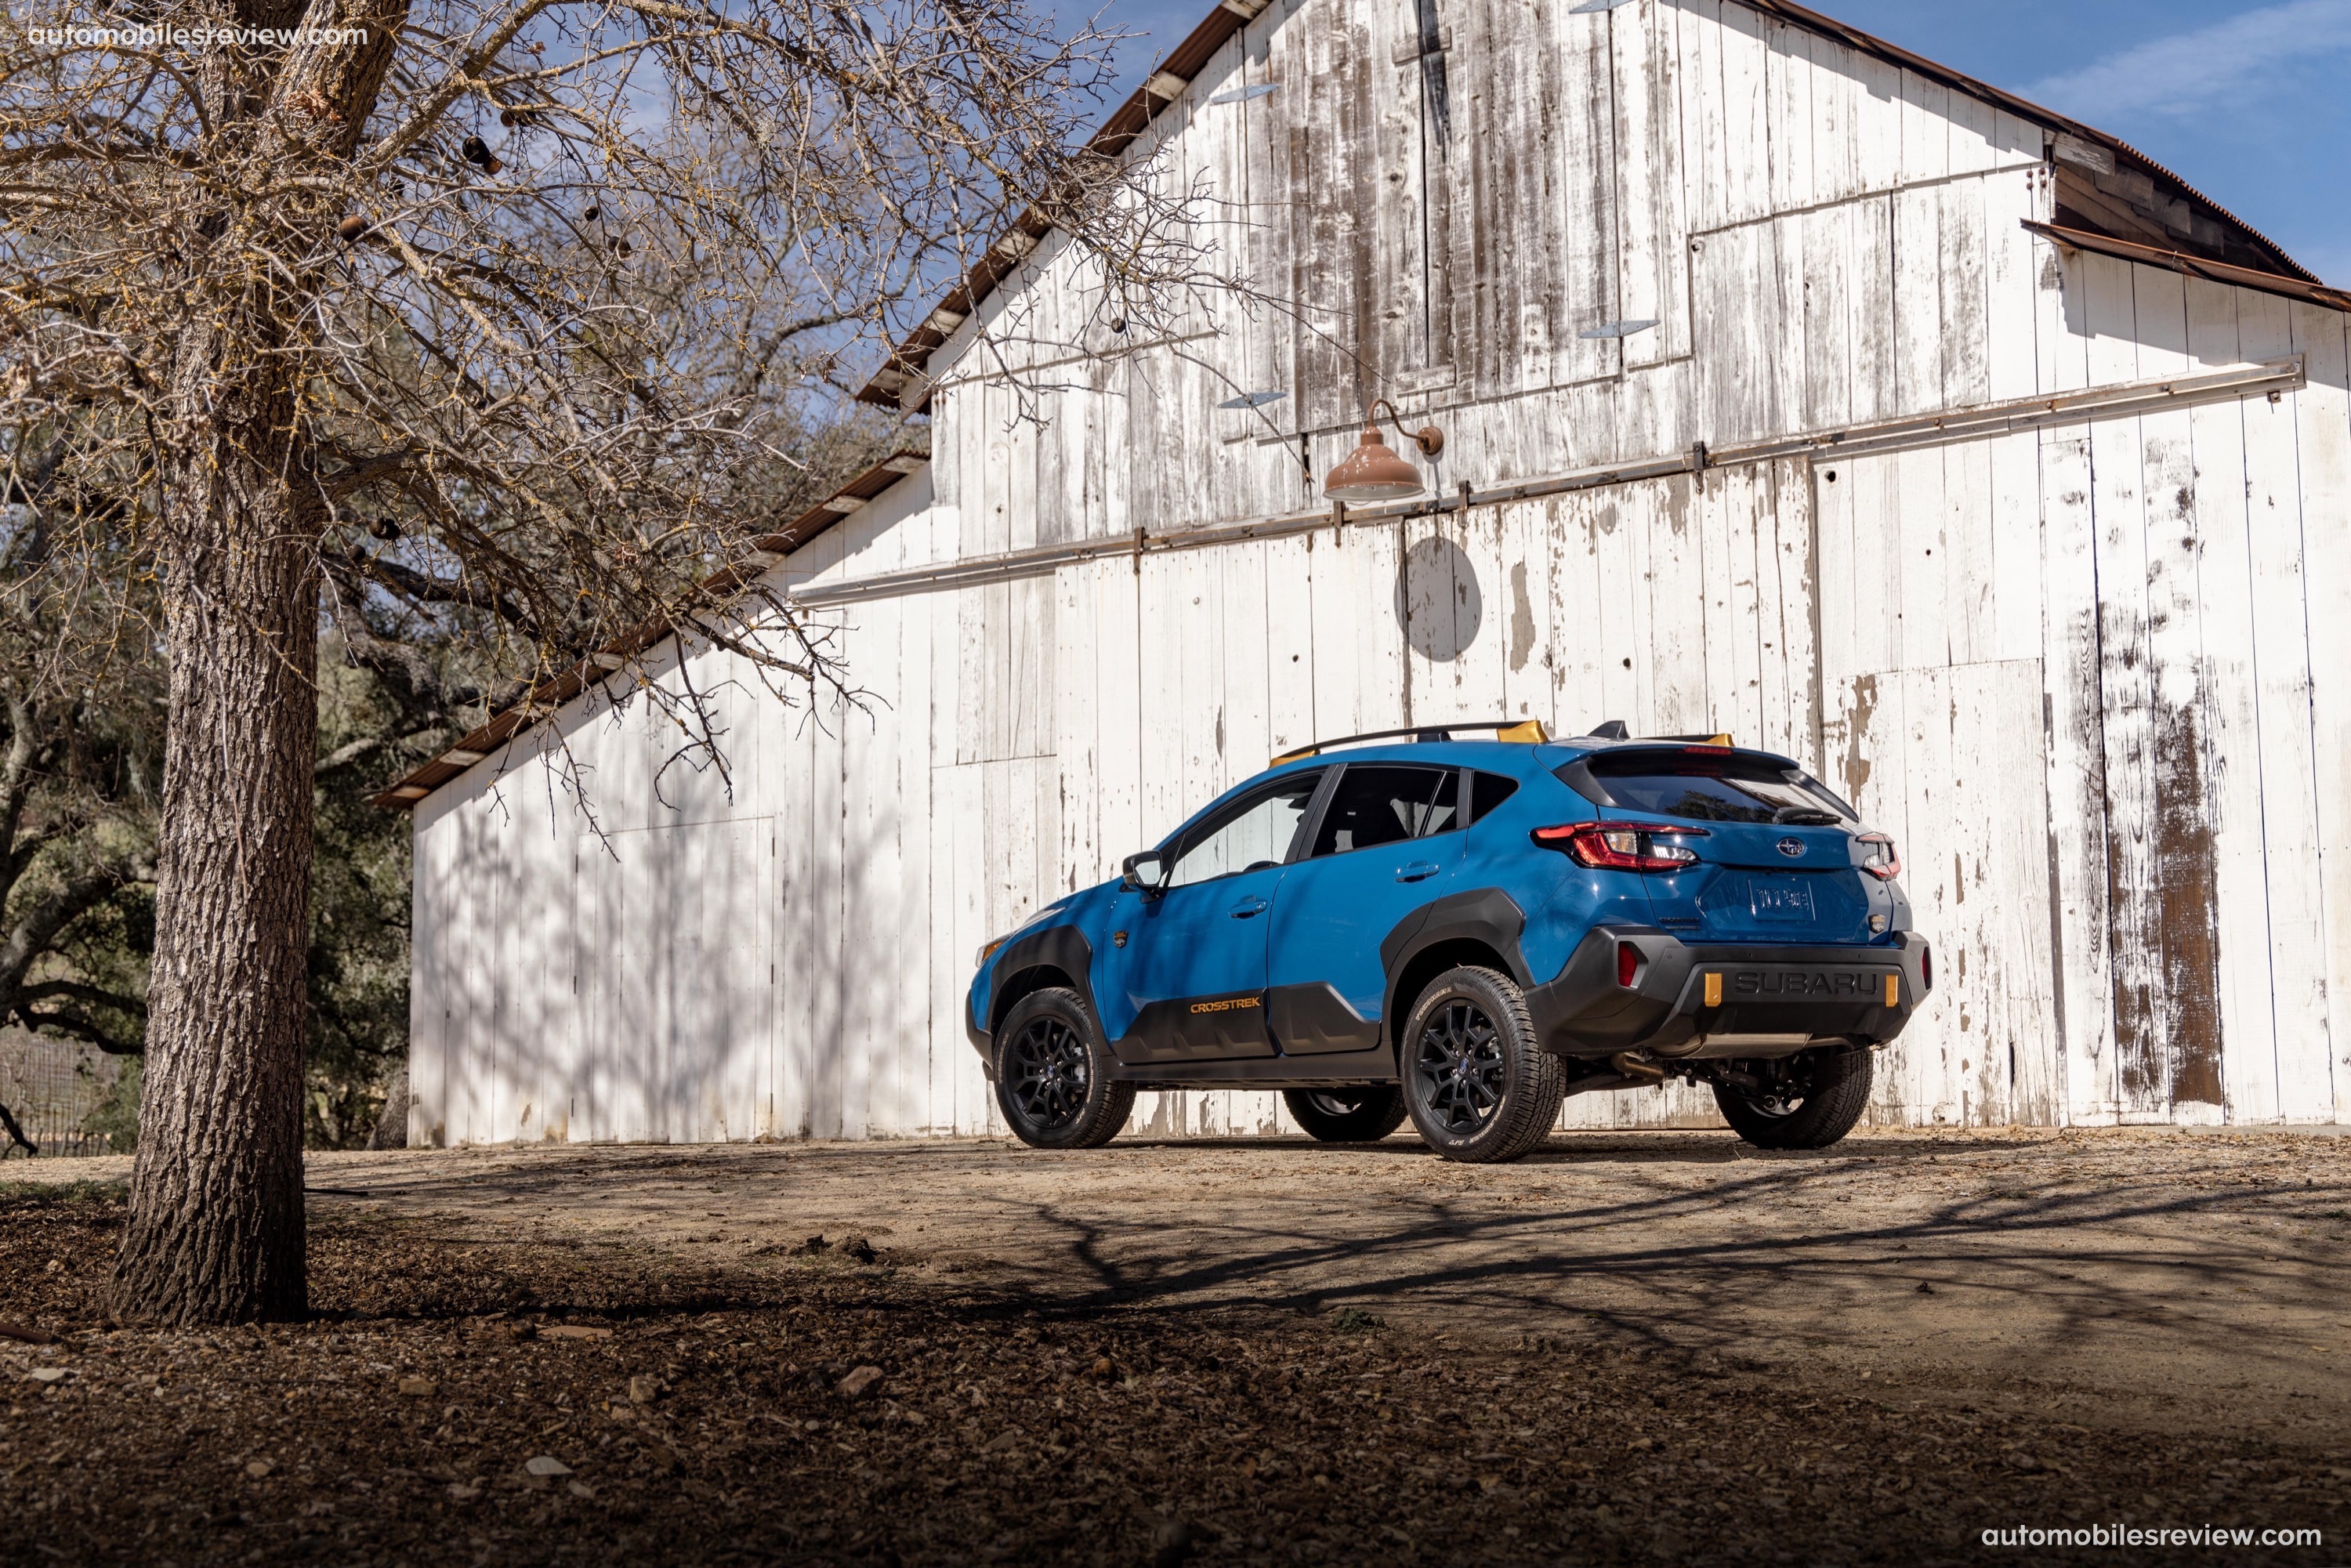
(1053, 1074)
(1806, 1102)
(1476, 1083)
(1363, 1113)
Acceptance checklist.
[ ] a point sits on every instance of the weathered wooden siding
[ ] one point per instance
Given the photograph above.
(2091, 677)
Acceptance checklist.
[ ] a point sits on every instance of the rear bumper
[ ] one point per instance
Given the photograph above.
(1725, 1001)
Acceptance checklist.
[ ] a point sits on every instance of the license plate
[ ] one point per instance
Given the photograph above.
(1786, 900)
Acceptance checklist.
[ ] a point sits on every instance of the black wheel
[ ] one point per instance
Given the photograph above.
(1052, 1074)
(1476, 1084)
(1362, 1114)
(1806, 1102)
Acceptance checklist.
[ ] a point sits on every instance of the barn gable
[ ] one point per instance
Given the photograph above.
(1793, 387)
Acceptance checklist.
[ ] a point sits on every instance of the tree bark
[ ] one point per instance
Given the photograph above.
(216, 1223)
(391, 1123)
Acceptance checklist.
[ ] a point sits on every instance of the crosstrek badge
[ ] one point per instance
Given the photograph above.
(1231, 1004)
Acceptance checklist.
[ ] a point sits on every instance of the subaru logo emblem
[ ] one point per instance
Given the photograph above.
(1791, 847)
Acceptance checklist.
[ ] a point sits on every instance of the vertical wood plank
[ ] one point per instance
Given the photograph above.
(1652, 191)
(2231, 717)
(2291, 832)
(2323, 425)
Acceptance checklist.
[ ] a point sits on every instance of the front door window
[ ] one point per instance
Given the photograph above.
(1251, 834)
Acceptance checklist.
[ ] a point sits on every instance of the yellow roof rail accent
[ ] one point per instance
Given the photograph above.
(1530, 733)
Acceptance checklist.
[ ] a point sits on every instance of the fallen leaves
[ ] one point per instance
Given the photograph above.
(854, 1415)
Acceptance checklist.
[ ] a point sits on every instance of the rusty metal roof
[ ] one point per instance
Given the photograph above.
(900, 382)
(766, 549)
(2195, 266)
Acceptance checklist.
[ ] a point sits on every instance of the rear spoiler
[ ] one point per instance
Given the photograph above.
(1614, 729)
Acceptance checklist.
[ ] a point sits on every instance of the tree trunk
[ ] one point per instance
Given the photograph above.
(216, 1224)
(391, 1122)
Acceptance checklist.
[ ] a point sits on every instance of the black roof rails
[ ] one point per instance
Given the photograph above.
(1528, 731)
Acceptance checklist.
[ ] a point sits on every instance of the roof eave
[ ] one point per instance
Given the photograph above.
(552, 692)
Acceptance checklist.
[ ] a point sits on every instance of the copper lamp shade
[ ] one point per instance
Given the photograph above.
(1372, 472)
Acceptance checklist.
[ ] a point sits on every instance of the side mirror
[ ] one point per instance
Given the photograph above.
(1145, 873)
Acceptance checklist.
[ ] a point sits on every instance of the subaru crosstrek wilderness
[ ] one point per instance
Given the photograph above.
(1463, 932)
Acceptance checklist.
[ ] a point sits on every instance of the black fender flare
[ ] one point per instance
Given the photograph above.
(1487, 916)
(1062, 948)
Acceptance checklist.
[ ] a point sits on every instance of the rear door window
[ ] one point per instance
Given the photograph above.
(1704, 788)
(1387, 803)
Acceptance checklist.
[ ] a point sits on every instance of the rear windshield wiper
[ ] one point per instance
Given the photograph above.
(1804, 817)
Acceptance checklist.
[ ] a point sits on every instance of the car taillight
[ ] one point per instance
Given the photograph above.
(1628, 963)
(1926, 967)
(1620, 846)
(1878, 858)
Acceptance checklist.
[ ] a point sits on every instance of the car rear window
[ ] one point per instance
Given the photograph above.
(1705, 788)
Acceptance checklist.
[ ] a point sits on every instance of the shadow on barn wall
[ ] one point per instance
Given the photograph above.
(1437, 601)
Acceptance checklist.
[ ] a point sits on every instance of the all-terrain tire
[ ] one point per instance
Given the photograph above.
(1833, 1093)
(1477, 1087)
(1362, 1114)
(1053, 1071)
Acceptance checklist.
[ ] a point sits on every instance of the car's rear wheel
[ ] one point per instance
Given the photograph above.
(1476, 1084)
(1053, 1074)
(1806, 1102)
(1363, 1113)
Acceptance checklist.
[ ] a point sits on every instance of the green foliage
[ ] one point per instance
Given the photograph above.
(115, 1117)
(358, 914)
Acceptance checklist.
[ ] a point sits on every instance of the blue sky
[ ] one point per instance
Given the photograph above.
(2250, 103)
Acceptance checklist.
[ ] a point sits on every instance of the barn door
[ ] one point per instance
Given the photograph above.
(1518, 155)
(1336, 170)
(1932, 726)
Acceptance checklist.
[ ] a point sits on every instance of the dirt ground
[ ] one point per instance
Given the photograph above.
(1630, 1348)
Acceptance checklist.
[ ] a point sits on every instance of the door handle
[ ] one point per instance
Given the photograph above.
(1418, 871)
(1248, 906)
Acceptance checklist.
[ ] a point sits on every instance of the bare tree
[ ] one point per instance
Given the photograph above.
(390, 293)
(82, 747)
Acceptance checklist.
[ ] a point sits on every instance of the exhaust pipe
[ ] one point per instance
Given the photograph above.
(1633, 1067)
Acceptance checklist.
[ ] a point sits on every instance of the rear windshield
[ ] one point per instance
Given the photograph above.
(1705, 788)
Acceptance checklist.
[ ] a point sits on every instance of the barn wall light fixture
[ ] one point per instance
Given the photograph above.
(1373, 471)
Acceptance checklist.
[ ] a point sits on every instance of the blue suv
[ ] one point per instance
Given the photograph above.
(1463, 932)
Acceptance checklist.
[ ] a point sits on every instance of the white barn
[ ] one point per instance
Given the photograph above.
(2022, 514)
